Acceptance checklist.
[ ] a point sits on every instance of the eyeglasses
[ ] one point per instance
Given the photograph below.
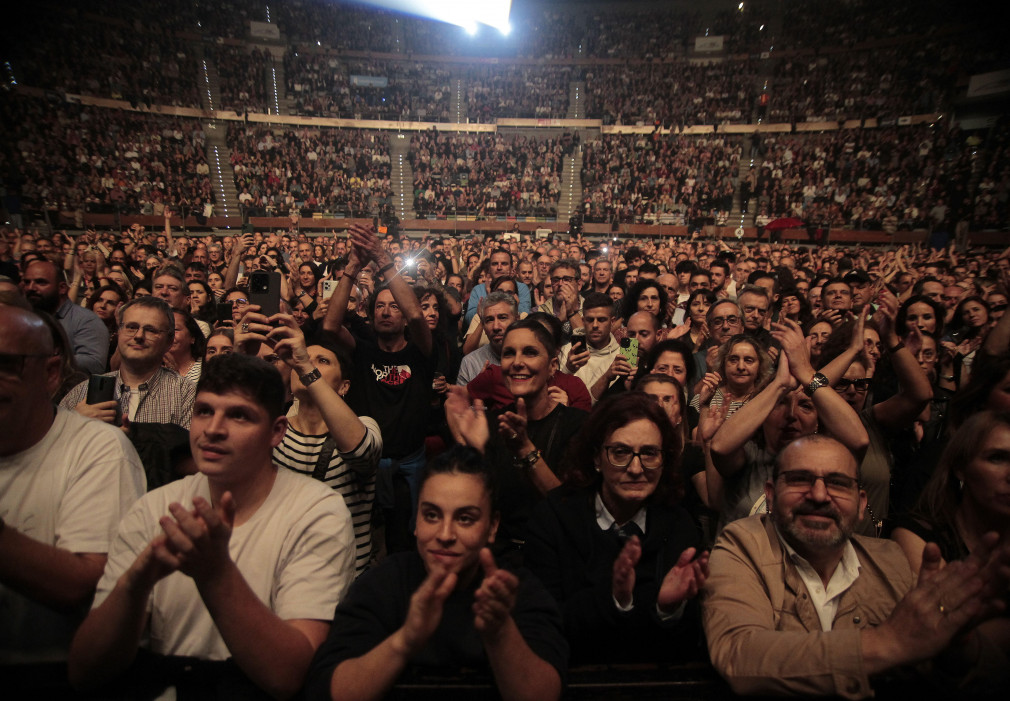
(835, 483)
(133, 328)
(13, 364)
(725, 321)
(860, 385)
(559, 280)
(621, 455)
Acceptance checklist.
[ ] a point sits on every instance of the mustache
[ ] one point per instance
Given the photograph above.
(825, 510)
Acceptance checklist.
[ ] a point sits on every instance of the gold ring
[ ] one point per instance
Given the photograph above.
(943, 609)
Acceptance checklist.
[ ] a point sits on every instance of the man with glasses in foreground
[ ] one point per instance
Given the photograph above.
(145, 391)
(796, 604)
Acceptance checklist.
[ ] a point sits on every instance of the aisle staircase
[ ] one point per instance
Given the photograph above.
(737, 217)
(402, 177)
(222, 176)
(571, 186)
(577, 100)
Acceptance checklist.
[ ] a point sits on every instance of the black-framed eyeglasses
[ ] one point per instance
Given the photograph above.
(13, 364)
(133, 328)
(725, 321)
(565, 278)
(620, 455)
(860, 385)
(835, 483)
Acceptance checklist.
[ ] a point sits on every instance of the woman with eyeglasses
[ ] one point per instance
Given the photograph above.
(613, 545)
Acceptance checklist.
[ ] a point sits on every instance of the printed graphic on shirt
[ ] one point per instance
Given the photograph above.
(392, 375)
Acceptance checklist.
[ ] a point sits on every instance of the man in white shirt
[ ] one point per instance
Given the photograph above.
(64, 484)
(593, 364)
(243, 560)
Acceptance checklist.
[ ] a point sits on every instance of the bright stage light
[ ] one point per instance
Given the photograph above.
(464, 13)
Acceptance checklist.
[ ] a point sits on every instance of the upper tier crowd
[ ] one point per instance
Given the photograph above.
(334, 463)
(71, 158)
(486, 174)
(301, 171)
(654, 80)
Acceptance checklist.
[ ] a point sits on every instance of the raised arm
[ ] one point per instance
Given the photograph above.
(237, 251)
(914, 392)
(344, 425)
(364, 238)
(727, 447)
(833, 413)
(333, 322)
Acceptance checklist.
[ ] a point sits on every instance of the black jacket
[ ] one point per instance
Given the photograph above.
(566, 549)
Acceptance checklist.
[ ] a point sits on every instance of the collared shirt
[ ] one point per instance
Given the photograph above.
(166, 398)
(88, 335)
(825, 599)
(606, 521)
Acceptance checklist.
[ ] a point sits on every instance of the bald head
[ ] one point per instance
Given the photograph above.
(793, 456)
(24, 332)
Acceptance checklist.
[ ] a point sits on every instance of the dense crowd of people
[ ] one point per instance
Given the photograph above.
(672, 180)
(242, 77)
(284, 171)
(66, 157)
(878, 179)
(486, 174)
(560, 446)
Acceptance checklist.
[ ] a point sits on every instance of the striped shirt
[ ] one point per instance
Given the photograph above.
(352, 474)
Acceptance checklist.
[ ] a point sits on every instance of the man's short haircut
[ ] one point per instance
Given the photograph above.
(684, 266)
(648, 269)
(565, 263)
(197, 266)
(754, 290)
(170, 270)
(150, 302)
(59, 275)
(835, 281)
(760, 275)
(921, 282)
(599, 300)
(702, 272)
(248, 375)
(718, 264)
(711, 310)
(502, 297)
(501, 251)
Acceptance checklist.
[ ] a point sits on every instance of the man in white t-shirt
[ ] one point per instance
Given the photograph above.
(65, 481)
(242, 560)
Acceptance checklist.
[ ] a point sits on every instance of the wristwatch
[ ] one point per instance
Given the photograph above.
(818, 381)
(310, 377)
(527, 462)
